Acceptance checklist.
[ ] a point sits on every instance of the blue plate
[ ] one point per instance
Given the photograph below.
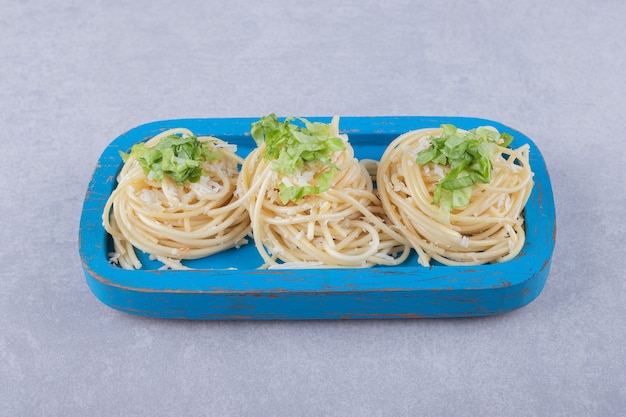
(229, 285)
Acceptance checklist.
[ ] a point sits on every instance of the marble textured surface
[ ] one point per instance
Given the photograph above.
(74, 75)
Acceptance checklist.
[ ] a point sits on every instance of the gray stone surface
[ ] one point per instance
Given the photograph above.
(74, 75)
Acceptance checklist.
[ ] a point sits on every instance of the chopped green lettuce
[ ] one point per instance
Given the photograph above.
(469, 157)
(290, 146)
(293, 193)
(181, 158)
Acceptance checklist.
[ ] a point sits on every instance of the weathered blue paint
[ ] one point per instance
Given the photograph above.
(216, 291)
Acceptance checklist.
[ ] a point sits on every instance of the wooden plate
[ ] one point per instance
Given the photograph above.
(229, 285)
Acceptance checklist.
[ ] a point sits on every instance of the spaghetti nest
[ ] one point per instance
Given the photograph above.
(488, 229)
(343, 226)
(176, 220)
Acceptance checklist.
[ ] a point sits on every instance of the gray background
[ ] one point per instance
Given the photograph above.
(74, 75)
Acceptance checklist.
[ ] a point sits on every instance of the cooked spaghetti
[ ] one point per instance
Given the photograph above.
(469, 212)
(175, 200)
(312, 205)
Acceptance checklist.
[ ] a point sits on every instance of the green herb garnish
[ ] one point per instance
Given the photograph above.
(181, 158)
(290, 147)
(469, 156)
